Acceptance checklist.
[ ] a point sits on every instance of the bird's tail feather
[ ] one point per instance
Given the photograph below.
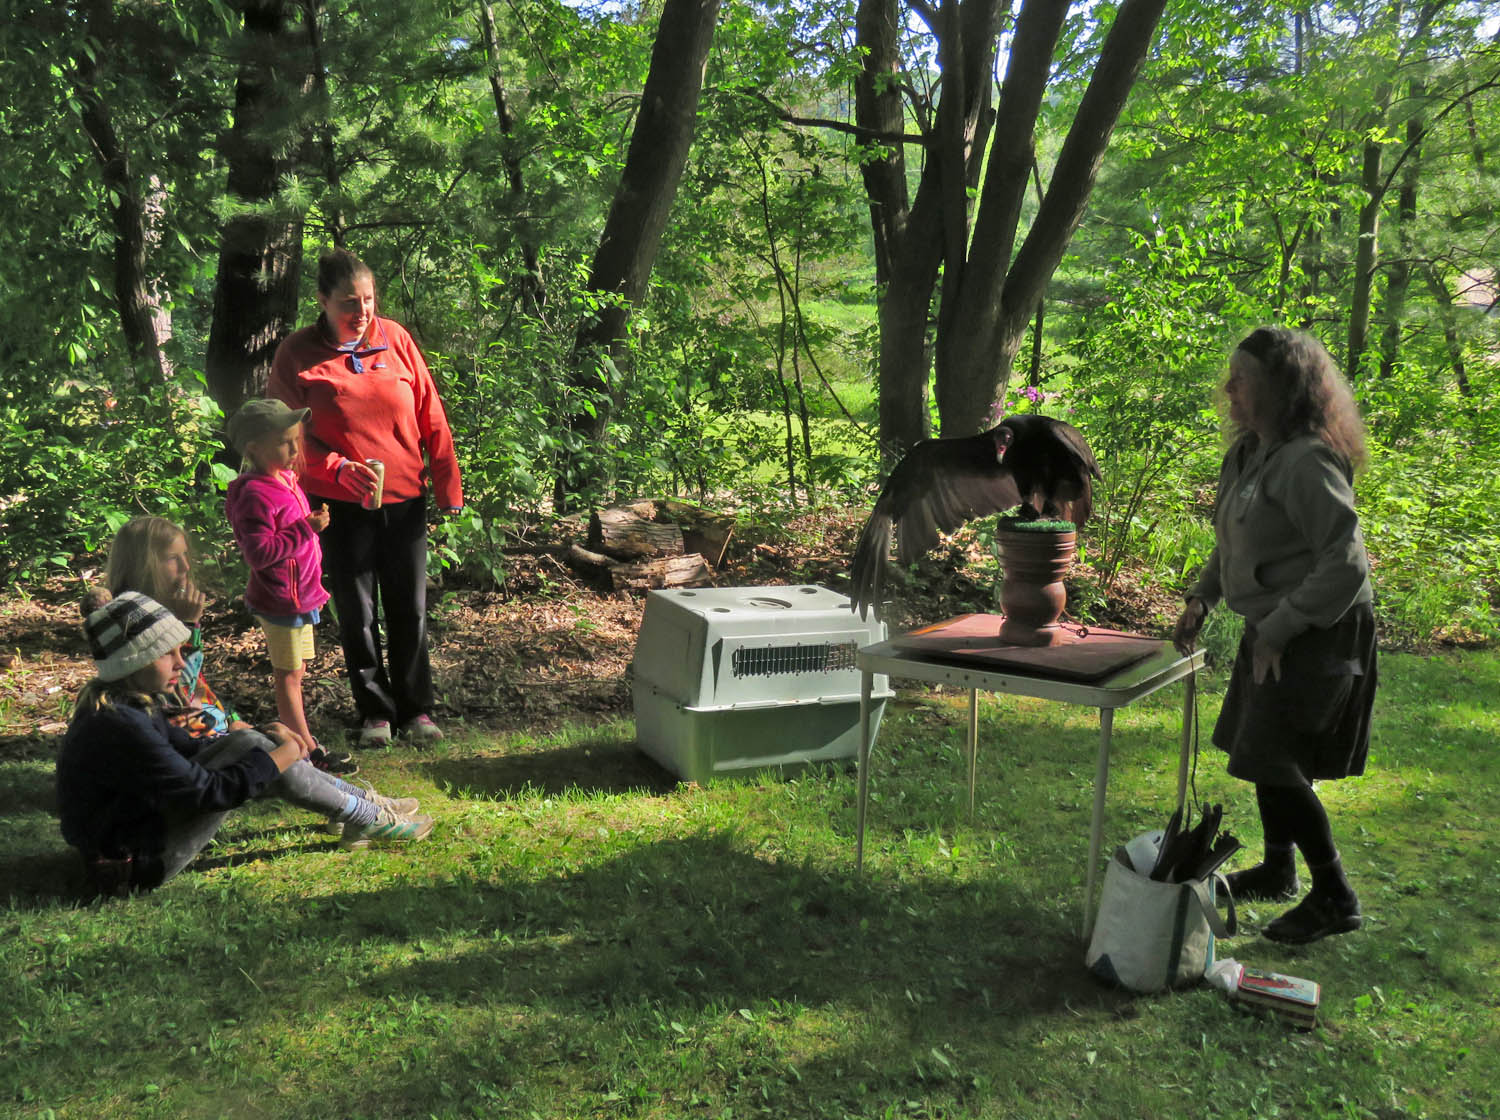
(871, 555)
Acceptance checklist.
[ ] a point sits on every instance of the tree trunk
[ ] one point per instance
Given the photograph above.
(1399, 282)
(637, 218)
(1442, 295)
(1364, 260)
(140, 315)
(999, 295)
(260, 255)
(912, 239)
(319, 150)
(532, 289)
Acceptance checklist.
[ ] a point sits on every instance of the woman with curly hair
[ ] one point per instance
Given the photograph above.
(1289, 558)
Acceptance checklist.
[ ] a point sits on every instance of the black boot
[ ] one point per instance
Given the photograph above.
(1330, 907)
(1315, 917)
(1263, 883)
(1274, 879)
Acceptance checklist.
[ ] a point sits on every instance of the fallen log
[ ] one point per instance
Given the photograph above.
(626, 535)
(702, 530)
(618, 575)
(670, 571)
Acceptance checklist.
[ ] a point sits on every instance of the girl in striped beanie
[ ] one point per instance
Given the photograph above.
(139, 798)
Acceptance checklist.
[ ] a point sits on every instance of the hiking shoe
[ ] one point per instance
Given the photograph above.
(1264, 884)
(1315, 917)
(401, 806)
(333, 762)
(421, 730)
(386, 828)
(375, 733)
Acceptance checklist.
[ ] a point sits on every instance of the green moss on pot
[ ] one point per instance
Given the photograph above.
(1016, 525)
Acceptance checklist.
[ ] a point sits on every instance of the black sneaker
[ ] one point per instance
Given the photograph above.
(334, 762)
(1264, 884)
(1317, 916)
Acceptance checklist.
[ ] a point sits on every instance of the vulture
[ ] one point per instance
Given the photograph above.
(1028, 460)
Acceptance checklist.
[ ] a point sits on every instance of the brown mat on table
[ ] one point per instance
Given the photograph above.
(972, 639)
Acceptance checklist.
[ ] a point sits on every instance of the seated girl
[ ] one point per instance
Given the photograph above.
(150, 555)
(139, 797)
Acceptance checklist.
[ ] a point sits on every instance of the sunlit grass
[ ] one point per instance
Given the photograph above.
(583, 937)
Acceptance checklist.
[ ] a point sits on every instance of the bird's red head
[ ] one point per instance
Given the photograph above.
(1003, 436)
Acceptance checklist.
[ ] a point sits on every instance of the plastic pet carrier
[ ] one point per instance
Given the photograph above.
(732, 680)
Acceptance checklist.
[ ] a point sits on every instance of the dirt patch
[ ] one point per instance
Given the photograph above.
(543, 651)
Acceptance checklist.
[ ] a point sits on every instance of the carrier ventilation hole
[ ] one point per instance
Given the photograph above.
(770, 661)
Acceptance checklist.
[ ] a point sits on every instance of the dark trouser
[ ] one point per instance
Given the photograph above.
(376, 563)
(300, 784)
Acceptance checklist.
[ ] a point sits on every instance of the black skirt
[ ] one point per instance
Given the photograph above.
(1314, 722)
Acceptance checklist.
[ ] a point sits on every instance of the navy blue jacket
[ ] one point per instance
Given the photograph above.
(124, 771)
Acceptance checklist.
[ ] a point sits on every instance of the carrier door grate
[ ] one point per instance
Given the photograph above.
(769, 661)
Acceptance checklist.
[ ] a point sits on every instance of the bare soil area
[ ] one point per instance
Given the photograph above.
(543, 650)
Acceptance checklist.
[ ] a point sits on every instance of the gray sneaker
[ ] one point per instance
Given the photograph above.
(386, 828)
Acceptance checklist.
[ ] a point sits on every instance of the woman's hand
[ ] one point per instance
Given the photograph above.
(1189, 623)
(318, 519)
(357, 477)
(1264, 659)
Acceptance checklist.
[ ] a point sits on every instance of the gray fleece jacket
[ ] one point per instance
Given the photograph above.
(1289, 555)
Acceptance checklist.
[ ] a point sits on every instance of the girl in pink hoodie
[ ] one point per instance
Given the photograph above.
(277, 533)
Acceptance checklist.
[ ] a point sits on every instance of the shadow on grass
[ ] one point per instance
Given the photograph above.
(29, 748)
(697, 921)
(25, 790)
(593, 767)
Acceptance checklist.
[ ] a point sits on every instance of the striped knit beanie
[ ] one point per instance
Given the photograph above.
(129, 632)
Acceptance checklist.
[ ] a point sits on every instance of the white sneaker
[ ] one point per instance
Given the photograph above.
(375, 733)
(421, 729)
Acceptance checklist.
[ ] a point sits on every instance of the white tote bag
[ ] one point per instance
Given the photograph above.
(1150, 935)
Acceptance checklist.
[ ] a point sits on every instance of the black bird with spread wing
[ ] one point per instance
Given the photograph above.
(1028, 460)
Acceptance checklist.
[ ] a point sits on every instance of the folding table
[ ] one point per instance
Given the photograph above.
(1119, 689)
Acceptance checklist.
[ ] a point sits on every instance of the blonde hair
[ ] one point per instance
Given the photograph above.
(248, 462)
(135, 556)
(99, 693)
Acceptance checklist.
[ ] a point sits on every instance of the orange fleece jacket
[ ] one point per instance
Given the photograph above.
(377, 401)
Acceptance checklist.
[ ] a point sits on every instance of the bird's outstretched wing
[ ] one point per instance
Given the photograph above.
(938, 486)
(1075, 491)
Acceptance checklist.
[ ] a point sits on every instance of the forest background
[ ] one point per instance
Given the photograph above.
(746, 252)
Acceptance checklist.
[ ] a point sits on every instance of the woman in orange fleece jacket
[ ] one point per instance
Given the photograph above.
(372, 397)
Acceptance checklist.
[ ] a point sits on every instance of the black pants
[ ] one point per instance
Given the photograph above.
(376, 563)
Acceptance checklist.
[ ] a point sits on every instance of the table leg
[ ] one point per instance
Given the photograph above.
(1096, 829)
(1189, 707)
(865, 683)
(973, 745)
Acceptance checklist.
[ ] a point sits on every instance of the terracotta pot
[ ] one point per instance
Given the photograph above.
(1032, 595)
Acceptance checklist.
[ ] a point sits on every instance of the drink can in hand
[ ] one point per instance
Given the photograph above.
(372, 500)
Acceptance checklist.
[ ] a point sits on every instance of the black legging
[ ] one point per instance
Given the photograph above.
(1294, 815)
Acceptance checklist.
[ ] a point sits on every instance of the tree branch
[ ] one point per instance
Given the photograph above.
(786, 115)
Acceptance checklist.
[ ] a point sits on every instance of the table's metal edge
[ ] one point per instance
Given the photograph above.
(1129, 685)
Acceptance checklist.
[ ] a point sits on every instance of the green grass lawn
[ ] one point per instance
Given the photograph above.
(582, 938)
